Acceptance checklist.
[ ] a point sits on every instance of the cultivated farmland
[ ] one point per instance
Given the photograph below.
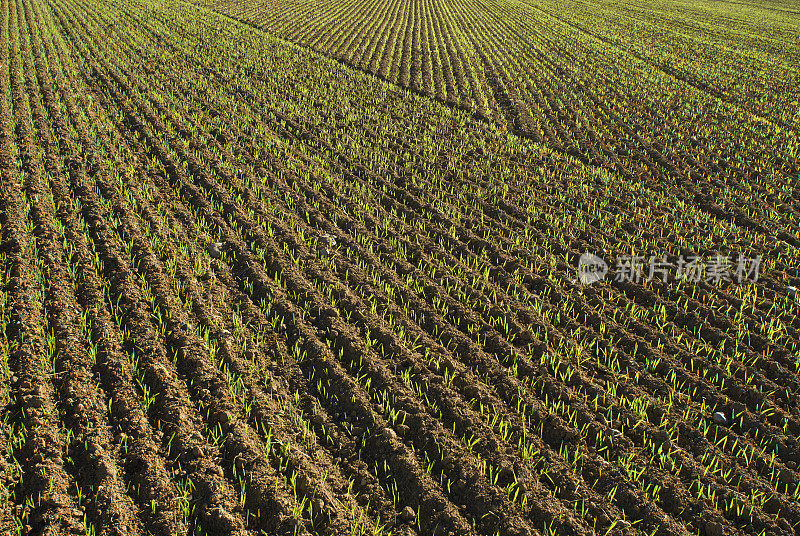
(677, 91)
(248, 289)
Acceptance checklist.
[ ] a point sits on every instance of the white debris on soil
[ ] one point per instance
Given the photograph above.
(328, 240)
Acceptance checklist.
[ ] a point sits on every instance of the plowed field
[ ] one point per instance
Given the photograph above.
(247, 289)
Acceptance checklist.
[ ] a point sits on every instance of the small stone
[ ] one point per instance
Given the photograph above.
(792, 292)
(719, 418)
(714, 529)
(388, 434)
(323, 252)
(216, 249)
(407, 514)
(379, 409)
(403, 429)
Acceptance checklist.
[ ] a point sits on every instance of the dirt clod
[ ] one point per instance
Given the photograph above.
(106, 470)
(407, 514)
(222, 520)
(34, 401)
(714, 529)
(317, 507)
(506, 474)
(216, 249)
